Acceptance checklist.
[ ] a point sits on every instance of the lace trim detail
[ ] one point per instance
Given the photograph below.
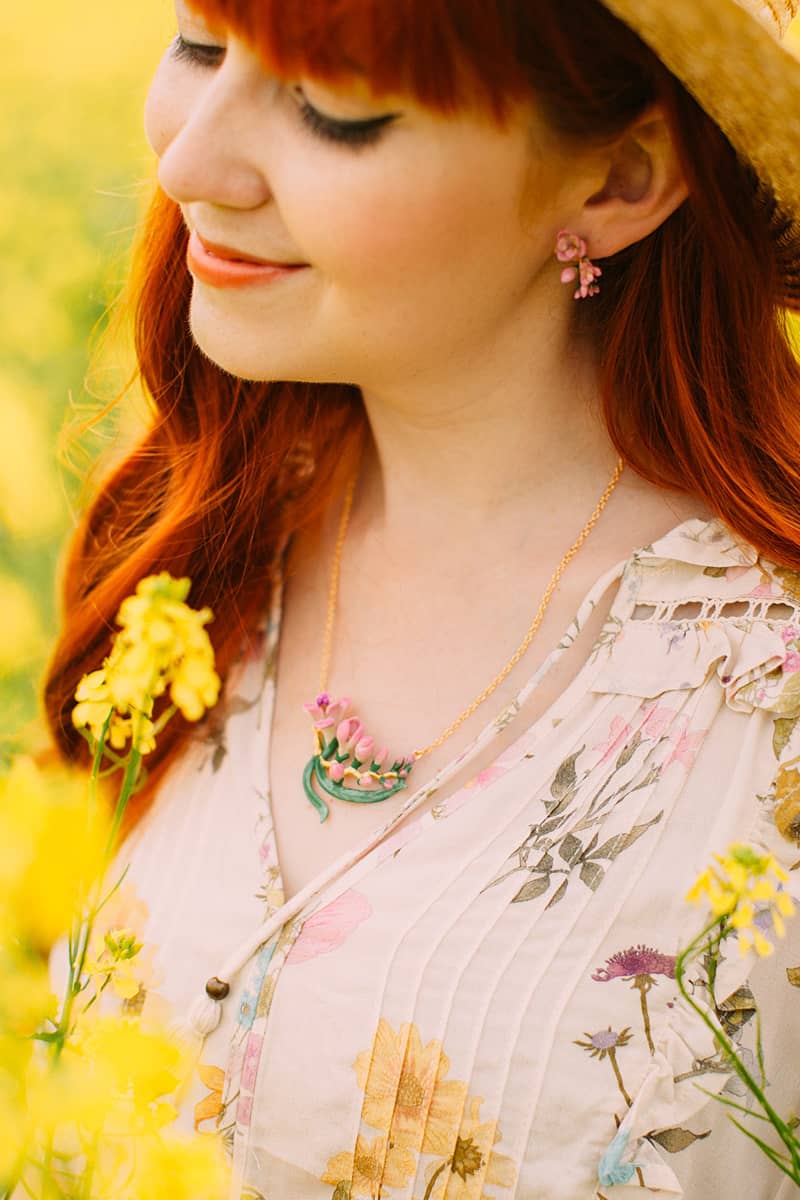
(716, 609)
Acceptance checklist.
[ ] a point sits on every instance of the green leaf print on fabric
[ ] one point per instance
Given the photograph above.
(566, 776)
(675, 1140)
(587, 860)
(784, 728)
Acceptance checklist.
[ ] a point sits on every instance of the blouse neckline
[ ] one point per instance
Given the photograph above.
(694, 541)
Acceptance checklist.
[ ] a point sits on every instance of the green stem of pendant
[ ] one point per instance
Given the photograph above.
(319, 804)
(315, 772)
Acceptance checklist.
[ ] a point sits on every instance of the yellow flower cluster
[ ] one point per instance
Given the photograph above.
(52, 840)
(103, 1112)
(742, 887)
(86, 1099)
(162, 646)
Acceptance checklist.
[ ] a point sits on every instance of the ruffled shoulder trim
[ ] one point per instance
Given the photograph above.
(700, 604)
(704, 543)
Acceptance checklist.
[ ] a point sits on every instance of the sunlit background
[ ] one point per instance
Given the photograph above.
(76, 169)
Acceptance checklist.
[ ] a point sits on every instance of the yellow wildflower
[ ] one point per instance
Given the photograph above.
(112, 961)
(51, 850)
(118, 953)
(473, 1163)
(162, 646)
(372, 1166)
(179, 1168)
(114, 1077)
(406, 1090)
(743, 886)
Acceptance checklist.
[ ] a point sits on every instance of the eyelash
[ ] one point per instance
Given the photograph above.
(351, 133)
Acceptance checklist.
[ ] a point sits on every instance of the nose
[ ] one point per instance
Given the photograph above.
(217, 149)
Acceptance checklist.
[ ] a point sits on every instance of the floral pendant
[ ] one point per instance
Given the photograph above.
(345, 764)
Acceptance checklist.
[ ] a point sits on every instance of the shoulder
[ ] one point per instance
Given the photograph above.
(701, 607)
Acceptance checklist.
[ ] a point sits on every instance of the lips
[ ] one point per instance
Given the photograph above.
(230, 254)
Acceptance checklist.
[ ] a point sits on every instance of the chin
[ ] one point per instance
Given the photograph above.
(247, 354)
(237, 352)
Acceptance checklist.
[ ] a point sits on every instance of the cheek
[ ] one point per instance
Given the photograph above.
(376, 222)
(166, 107)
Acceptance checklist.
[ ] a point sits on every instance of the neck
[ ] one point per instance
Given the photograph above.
(484, 451)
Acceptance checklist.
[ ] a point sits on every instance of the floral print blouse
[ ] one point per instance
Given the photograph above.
(482, 1004)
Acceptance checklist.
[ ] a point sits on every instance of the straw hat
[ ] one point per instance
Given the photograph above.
(729, 55)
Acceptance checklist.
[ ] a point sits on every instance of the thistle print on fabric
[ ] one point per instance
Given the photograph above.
(604, 1044)
(638, 964)
(417, 1111)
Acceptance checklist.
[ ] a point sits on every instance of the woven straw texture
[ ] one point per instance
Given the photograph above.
(728, 55)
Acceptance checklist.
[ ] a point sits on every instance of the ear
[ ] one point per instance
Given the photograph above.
(644, 184)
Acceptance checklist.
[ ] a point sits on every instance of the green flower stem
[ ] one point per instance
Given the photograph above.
(702, 942)
(84, 924)
(129, 782)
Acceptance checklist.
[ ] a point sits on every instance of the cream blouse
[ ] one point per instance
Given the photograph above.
(482, 1004)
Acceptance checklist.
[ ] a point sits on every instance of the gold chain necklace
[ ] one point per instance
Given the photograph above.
(345, 763)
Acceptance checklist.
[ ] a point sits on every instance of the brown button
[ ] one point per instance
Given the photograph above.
(217, 989)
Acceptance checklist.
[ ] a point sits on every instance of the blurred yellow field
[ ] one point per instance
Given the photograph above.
(76, 169)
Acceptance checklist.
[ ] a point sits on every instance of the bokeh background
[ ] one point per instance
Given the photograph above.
(76, 174)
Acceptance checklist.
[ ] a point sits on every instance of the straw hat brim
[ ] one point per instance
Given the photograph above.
(748, 82)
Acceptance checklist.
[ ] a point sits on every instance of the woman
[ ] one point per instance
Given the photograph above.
(489, 252)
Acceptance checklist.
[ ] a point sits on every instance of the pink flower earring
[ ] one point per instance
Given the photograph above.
(570, 248)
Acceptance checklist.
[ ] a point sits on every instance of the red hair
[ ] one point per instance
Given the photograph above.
(700, 386)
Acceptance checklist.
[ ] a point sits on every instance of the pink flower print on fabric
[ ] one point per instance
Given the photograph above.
(638, 964)
(247, 1082)
(686, 746)
(765, 590)
(252, 1057)
(655, 723)
(636, 960)
(487, 775)
(328, 929)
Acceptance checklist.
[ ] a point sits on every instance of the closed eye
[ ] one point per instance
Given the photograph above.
(330, 129)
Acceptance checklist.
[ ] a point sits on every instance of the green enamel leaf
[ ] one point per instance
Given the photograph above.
(793, 975)
(715, 572)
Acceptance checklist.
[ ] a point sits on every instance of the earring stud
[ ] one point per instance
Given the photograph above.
(570, 248)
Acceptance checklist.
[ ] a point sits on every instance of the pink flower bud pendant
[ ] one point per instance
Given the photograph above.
(345, 765)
